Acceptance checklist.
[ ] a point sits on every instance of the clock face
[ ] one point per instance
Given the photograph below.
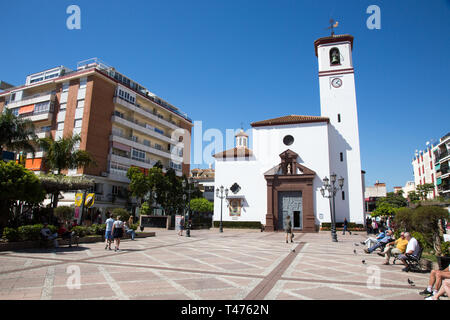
(336, 82)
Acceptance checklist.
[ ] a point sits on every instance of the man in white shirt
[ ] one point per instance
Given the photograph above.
(108, 231)
(47, 234)
(412, 249)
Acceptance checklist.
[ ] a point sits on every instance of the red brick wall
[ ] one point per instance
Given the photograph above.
(96, 129)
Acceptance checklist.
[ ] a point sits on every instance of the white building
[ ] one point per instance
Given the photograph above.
(409, 187)
(442, 163)
(291, 155)
(424, 169)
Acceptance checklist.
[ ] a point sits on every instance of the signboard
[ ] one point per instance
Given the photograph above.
(77, 212)
(235, 207)
(90, 199)
(78, 199)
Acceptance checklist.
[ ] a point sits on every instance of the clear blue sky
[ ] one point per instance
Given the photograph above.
(226, 62)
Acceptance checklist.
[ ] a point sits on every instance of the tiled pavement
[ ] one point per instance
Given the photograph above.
(237, 264)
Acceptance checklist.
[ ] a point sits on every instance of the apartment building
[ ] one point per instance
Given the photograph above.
(442, 162)
(205, 179)
(121, 123)
(424, 169)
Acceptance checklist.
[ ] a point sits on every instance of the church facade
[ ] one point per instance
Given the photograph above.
(291, 155)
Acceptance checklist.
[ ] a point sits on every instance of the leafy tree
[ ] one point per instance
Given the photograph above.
(427, 219)
(202, 205)
(17, 184)
(63, 154)
(139, 184)
(174, 192)
(413, 196)
(16, 134)
(424, 189)
(64, 213)
(394, 199)
(124, 214)
(404, 218)
(384, 209)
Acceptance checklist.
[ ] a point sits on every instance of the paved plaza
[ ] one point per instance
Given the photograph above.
(233, 265)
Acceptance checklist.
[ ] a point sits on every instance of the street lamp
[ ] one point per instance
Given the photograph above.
(189, 191)
(221, 197)
(331, 190)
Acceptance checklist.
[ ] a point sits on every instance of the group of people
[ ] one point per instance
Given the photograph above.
(115, 230)
(403, 248)
(373, 226)
(64, 231)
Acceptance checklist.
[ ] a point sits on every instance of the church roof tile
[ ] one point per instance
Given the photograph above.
(291, 119)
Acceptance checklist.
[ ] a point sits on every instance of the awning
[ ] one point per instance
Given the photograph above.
(26, 109)
(234, 196)
(121, 146)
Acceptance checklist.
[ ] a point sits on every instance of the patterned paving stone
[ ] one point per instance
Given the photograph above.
(234, 265)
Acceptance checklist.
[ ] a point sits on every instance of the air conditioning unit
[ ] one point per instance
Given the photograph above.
(104, 174)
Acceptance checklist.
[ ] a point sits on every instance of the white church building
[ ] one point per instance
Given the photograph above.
(291, 155)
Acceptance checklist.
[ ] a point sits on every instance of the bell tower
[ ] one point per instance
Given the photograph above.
(338, 103)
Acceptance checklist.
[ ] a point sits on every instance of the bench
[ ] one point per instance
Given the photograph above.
(46, 243)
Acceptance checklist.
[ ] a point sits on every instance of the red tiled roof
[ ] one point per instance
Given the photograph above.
(292, 119)
(333, 39)
(235, 153)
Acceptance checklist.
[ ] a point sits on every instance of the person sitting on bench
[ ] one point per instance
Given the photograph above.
(412, 249)
(47, 234)
(65, 234)
(436, 278)
(394, 248)
(387, 238)
(130, 231)
(369, 242)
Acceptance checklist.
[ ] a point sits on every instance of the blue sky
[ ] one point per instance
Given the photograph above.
(227, 62)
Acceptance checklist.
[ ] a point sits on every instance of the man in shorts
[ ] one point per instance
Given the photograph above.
(108, 232)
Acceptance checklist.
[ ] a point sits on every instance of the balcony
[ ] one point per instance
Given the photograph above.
(136, 125)
(43, 134)
(38, 116)
(146, 113)
(443, 156)
(142, 163)
(137, 144)
(37, 98)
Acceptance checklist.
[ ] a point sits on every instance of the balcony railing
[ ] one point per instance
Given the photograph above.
(442, 155)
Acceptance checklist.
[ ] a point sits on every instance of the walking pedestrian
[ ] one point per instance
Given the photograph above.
(346, 227)
(180, 232)
(117, 230)
(288, 226)
(108, 231)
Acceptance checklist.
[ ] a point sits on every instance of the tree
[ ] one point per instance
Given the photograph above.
(384, 209)
(202, 205)
(17, 184)
(394, 199)
(427, 219)
(424, 189)
(64, 213)
(404, 218)
(15, 134)
(413, 196)
(124, 214)
(64, 154)
(139, 185)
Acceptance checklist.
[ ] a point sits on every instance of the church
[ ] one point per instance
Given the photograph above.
(283, 172)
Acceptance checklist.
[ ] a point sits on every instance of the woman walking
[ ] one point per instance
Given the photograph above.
(117, 231)
(289, 229)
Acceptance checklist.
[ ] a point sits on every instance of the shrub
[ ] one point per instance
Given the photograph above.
(98, 229)
(239, 224)
(404, 218)
(82, 231)
(134, 226)
(446, 248)
(124, 214)
(10, 234)
(63, 213)
(33, 232)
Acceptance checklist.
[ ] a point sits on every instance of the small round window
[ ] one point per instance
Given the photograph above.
(288, 140)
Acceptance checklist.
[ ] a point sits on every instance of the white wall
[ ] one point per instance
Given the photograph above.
(310, 143)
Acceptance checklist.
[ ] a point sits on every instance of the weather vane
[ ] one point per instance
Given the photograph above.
(333, 24)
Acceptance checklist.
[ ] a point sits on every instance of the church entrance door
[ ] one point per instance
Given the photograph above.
(290, 203)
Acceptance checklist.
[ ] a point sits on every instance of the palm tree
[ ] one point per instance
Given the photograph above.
(16, 134)
(64, 154)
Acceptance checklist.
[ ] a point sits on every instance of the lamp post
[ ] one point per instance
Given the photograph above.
(331, 189)
(221, 196)
(189, 191)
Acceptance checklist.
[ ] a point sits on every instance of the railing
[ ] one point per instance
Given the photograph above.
(143, 125)
(442, 155)
(31, 97)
